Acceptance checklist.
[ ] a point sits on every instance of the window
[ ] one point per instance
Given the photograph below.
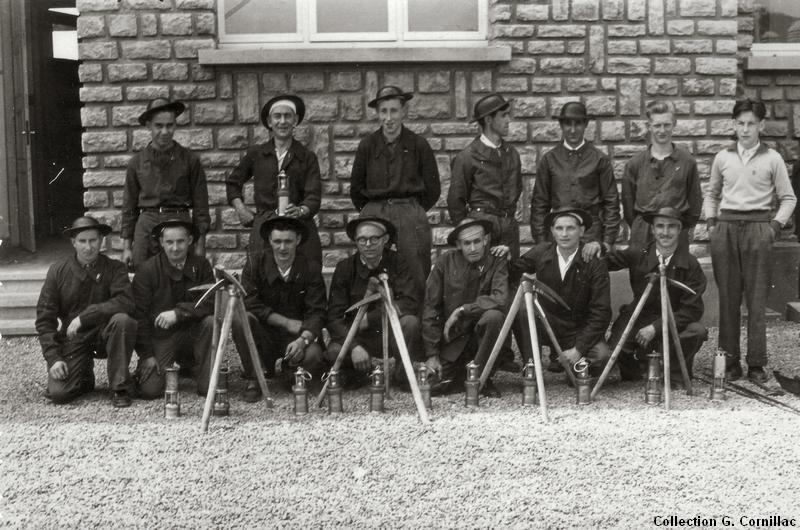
(318, 23)
(776, 27)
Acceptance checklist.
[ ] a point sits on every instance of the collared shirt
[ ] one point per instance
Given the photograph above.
(738, 187)
(582, 178)
(260, 162)
(660, 256)
(746, 154)
(570, 148)
(454, 282)
(349, 284)
(159, 286)
(649, 184)
(71, 291)
(172, 178)
(380, 173)
(488, 143)
(564, 263)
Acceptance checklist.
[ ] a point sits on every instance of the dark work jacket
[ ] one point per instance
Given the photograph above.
(349, 284)
(582, 179)
(371, 178)
(171, 179)
(159, 287)
(300, 297)
(683, 267)
(260, 162)
(484, 177)
(585, 289)
(71, 291)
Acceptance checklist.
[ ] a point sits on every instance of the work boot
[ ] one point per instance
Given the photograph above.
(554, 366)
(489, 390)
(252, 392)
(120, 399)
(733, 372)
(757, 374)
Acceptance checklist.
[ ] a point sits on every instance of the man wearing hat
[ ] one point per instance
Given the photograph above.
(666, 225)
(465, 298)
(576, 174)
(285, 305)
(661, 175)
(395, 177)
(486, 180)
(356, 276)
(265, 162)
(83, 313)
(582, 283)
(163, 180)
(171, 329)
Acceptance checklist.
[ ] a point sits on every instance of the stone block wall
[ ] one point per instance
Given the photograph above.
(615, 55)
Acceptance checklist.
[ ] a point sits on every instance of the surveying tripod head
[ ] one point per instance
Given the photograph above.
(225, 280)
(542, 289)
(652, 277)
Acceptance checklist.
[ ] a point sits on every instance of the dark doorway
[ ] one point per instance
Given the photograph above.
(55, 128)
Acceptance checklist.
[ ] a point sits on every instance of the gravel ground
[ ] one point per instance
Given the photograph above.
(617, 463)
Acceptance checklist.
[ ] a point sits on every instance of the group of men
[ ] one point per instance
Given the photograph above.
(451, 313)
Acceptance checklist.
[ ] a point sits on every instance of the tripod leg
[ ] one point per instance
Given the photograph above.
(554, 342)
(397, 331)
(537, 357)
(218, 313)
(348, 341)
(665, 336)
(241, 314)
(212, 384)
(628, 328)
(501, 338)
(687, 381)
(385, 332)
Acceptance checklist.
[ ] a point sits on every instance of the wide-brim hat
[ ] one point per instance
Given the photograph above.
(298, 103)
(87, 223)
(389, 92)
(352, 226)
(573, 110)
(579, 214)
(666, 211)
(296, 224)
(161, 105)
(172, 222)
(488, 105)
(452, 237)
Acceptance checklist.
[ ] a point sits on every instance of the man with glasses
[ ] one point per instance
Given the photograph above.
(356, 277)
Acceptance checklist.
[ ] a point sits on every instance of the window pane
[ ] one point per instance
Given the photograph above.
(777, 21)
(443, 15)
(65, 42)
(352, 16)
(260, 16)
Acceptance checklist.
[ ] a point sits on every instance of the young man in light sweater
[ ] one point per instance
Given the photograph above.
(745, 180)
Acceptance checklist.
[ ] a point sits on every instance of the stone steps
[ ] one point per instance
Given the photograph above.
(19, 292)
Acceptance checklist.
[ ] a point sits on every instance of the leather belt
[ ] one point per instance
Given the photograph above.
(165, 209)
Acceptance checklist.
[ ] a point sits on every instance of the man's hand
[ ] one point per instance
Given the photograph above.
(167, 319)
(73, 328)
(59, 371)
(200, 247)
(360, 358)
(572, 355)
(245, 214)
(645, 335)
(127, 257)
(373, 285)
(591, 250)
(297, 212)
(295, 351)
(293, 326)
(452, 320)
(434, 364)
(146, 368)
(776, 229)
(501, 251)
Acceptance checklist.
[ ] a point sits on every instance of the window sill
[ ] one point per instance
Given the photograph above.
(772, 62)
(227, 56)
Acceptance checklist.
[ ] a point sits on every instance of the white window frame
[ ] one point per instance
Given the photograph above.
(398, 36)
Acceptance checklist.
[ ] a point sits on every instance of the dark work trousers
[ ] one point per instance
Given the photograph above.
(692, 338)
(271, 342)
(144, 245)
(188, 341)
(311, 248)
(741, 252)
(114, 340)
(372, 341)
(413, 234)
(642, 234)
(477, 347)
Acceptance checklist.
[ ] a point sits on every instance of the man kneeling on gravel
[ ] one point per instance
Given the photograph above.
(583, 284)
(358, 276)
(171, 329)
(90, 295)
(465, 296)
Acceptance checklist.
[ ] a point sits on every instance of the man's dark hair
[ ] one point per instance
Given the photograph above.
(284, 226)
(752, 105)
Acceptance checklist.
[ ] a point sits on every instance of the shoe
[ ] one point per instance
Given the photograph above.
(733, 372)
(489, 390)
(252, 392)
(120, 399)
(443, 388)
(757, 375)
(555, 366)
